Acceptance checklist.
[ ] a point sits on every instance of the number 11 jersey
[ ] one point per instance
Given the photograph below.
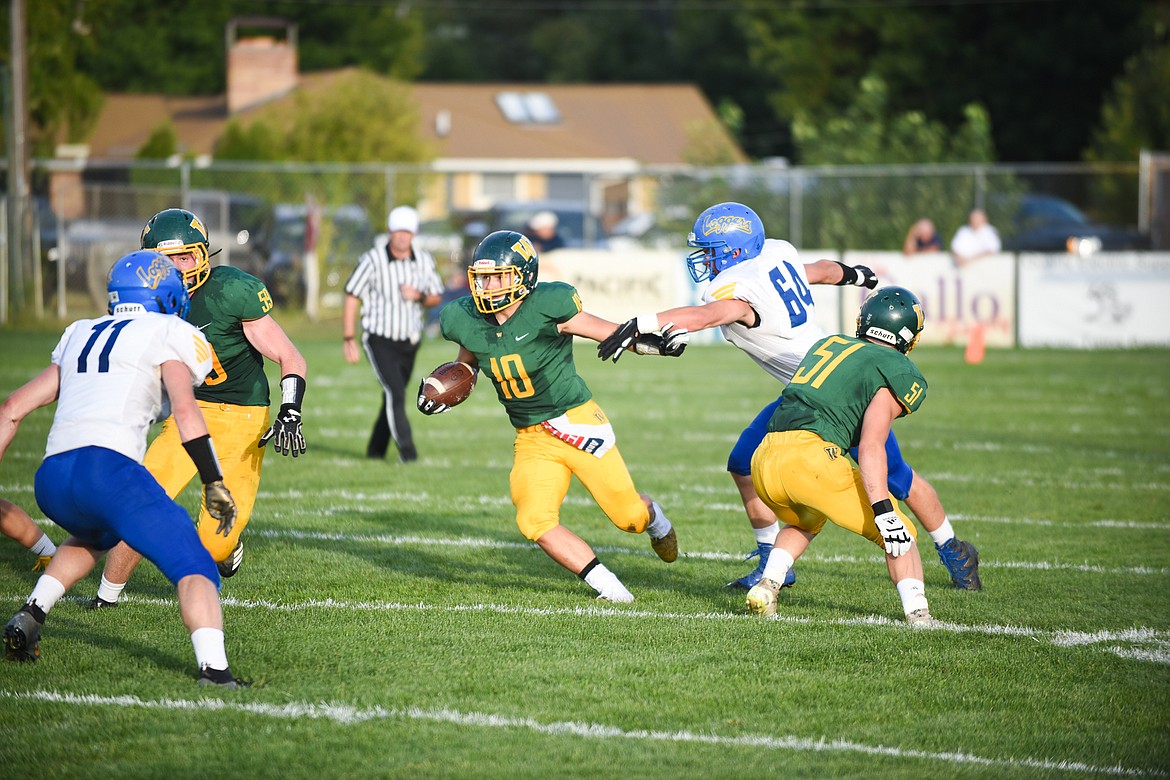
(111, 386)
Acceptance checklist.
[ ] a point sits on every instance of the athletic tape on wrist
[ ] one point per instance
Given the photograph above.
(292, 390)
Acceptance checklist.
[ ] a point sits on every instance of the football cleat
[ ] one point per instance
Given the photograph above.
(761, 599)
(752, 578)
(666, 546)
(962, 561)
(222, 678)
(22, 635)
(97, 602)
(229, 567)
(919, 618)
(42, 562)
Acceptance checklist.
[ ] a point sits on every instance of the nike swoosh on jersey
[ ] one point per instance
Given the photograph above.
(521, 338)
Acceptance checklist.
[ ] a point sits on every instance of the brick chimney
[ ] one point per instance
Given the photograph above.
(260, 67)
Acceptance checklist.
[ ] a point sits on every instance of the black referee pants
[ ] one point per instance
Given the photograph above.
(393, 362)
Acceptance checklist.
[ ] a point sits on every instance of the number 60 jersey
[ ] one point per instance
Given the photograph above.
(111, 385)
(774, 284)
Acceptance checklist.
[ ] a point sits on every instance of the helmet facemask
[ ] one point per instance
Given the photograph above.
(174, 232)
(508, 287)
(725, 234)
(192, 277)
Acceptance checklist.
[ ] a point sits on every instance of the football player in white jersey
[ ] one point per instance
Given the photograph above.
(758, 295)
(111, 377)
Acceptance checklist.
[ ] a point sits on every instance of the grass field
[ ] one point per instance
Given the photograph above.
(396, 624)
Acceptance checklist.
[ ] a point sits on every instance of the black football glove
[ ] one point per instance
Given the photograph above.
(429, 405)
(857, 276)
(286, 428)
(613, 345)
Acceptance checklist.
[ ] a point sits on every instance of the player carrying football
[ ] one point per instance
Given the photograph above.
(232, 309)
(520, 335)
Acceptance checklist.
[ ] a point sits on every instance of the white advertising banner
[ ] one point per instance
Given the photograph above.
(955, 300)
(620, 285)
(1106, 300)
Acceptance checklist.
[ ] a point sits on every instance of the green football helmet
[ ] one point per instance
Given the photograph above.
(175, 232)
(508, 258)
(893, 316)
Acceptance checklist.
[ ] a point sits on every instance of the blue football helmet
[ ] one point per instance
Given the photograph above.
(148, 279)
(725, 234)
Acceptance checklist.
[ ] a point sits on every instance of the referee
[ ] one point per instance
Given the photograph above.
(393, 281)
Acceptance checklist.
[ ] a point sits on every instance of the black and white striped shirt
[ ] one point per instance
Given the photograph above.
(377, 281)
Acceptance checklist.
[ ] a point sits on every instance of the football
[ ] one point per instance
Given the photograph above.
(449, 384)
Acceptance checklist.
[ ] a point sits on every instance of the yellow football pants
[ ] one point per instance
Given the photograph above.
(540, 476)
(801, 473)
(234, 431)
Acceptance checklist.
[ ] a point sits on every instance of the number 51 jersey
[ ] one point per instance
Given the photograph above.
(774, 284)
(111, 387)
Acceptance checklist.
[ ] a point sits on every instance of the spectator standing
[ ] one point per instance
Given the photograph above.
(974, 240)
(922, 238)
(393, 282)
(542, 232)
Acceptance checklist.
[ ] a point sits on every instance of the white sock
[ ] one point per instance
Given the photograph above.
(607, 585)
(779, 562)
(47, 592)
(944, 533)
(110, 591)
(913, 593)
(767, 535)
(208, 643)
(44, 546)
(659, 524)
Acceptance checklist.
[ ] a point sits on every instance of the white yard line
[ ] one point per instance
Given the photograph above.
(347, 715)
(1140, 643)
(395, 540)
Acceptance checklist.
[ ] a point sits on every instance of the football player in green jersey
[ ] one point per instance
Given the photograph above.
(846, 393)
(232, 308)
(520, 334)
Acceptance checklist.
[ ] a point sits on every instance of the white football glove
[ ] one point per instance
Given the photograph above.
(897, 539)
(670, 343)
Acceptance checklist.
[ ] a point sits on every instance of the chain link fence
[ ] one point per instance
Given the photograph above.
(274, 219)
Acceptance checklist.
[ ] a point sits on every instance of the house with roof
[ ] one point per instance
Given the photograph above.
(493, 142)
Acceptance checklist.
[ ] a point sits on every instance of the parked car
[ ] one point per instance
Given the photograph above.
(1045, 223)
(574, 224)
(345, 233)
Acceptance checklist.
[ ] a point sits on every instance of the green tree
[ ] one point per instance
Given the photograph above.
(1136, 113)
(357, 117)
(863, 213)
(63, 98)
(1039, 69)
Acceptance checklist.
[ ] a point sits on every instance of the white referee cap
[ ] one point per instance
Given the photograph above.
(403, 218)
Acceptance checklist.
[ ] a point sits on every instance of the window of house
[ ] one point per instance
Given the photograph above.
(528, 108)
